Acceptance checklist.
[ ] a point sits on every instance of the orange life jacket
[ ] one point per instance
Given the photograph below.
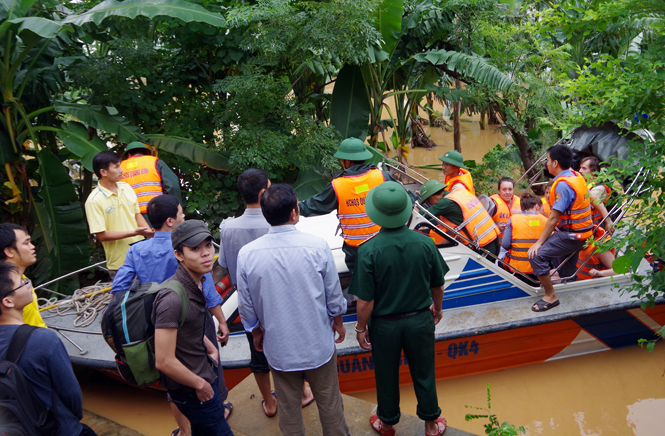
(546, 207)
(504, 211)
(464, 177)
(526, 229)
(141, 173)
(351, 192)
(596, 216)
(593, 262)
(477, 221)
(578, 218)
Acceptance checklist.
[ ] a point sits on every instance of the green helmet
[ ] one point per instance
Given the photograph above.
(453, 157)
(430, 188)
(388, 205)
(353, 149)
(136, 144)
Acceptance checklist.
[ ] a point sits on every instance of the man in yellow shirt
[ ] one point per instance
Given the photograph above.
(113, 213)
(16, 248)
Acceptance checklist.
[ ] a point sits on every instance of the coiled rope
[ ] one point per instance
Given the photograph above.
(86, 302)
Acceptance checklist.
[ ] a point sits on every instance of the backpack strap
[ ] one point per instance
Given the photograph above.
(19, 341)
(179, 289)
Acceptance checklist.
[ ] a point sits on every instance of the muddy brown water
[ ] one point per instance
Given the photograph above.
(617, 392)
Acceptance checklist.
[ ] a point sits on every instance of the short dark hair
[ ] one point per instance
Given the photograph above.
(594, 162)
(103, 160)
(161, 208)
(528, 201)
(278, 202)
(8, 237)
(250, 183)
(504, 179)
(562, 154)
(6, 284)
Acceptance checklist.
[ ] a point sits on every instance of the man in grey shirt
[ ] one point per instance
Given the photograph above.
(288, 289)
(233, 235)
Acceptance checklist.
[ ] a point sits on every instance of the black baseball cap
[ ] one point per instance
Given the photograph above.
(190, 233)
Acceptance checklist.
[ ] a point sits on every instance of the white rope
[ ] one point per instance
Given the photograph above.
(86, 308)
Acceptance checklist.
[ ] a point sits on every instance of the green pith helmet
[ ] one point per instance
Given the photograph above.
(136, 144)
(453, 157)
(388, 205)
(430, 188)
(353, 149)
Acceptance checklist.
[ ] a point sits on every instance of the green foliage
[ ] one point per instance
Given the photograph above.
(500, 161)
(493, 428)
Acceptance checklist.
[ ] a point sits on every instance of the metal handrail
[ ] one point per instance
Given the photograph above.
(405, 170)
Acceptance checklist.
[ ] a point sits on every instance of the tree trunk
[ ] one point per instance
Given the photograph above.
(526, 153)
(483, 113)
(457, 129)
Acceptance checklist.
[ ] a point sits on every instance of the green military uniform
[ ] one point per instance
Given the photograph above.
(451, 210)
(396, 270)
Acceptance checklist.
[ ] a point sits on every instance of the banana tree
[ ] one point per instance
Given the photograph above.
(37, 189)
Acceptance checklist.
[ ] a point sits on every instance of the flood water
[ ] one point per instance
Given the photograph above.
(617, 392)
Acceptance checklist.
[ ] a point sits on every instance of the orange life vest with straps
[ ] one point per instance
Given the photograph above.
(141, 173)
(351, 192)
(464, 177)
(477, 221)
(596, 216)
(505, 211)
(593, 262)
(578, 218)
(546, 207)
(526, 229)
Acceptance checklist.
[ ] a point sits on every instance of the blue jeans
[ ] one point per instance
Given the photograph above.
(206, 418)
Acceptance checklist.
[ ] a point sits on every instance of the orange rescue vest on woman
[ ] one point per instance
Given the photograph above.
(464, 177)
(141, 173)
(593, 262)
(504, 211)
(477, 221)
(546, 207)
(596, 216)
(526, 229)
(578, 218)
(351, 192)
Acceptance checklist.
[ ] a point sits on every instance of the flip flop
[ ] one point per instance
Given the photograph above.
(439, 420)
(228, 406)
(175, 432)
(308, 403)
(382, 431)
(543, 306)
(264, 409)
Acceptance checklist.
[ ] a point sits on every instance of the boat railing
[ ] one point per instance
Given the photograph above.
(464, 240)
(405, 170)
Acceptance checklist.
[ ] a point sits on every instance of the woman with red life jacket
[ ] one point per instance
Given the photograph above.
(589, 166)
(597, 264)
(455, 171)
(521, 232)
(506, 202)
(458, 207)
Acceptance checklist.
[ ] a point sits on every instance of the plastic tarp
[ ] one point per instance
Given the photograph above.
(603, 141)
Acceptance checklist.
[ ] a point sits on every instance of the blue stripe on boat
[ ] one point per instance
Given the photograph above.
(616, 329)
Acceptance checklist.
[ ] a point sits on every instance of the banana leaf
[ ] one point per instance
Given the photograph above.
(390, 22)
(13, 9)
(7, 150)
(61, 217)
(349, 109)
(133, 8)
(309, 183)
(195, 152)
(100, 118)
(75, 137)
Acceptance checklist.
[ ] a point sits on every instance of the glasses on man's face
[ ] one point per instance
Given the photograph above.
(26, 282)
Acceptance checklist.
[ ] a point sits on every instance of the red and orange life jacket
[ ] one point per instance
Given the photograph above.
(141, 173)
(351, 192)
(464, 177)
(578, 218)
(526, 229)
(504, 211)
(593, 262)
(477, 221)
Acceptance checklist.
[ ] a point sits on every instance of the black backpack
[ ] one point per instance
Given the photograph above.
(22, 413)
(128, 329)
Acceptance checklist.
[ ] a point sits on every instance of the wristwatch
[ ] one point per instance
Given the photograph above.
(355, 327)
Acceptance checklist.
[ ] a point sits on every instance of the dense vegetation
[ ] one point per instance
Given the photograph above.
(218, 86)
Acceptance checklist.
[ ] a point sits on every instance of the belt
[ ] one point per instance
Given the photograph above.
(401, 315)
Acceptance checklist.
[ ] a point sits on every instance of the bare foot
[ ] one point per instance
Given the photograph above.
(307, 396)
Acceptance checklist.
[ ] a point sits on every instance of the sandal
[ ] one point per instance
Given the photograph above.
(264, 409)
(543, 306)
(382, 431)
(228, 406)
(175, 432)
(439, 420)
